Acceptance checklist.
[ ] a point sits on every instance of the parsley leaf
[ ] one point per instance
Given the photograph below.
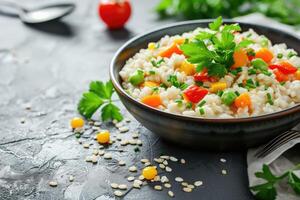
(88, 104)
(232, 27)
(110, 111)
(204, 35)
(217, 59)
(244, 43)
(102, 90)
(215, 25)
(294, 182)
(267, 190)
(99, 94)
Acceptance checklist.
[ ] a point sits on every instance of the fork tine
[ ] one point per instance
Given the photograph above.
(275, 146)
(275, 140)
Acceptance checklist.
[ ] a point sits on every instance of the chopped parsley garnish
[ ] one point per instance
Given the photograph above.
(189, 105)
(250, 84)
(270, 99)
(282, 83)
(202, 103)
(183, 86)
(163, 85)
(251, 52)
(291, 54)
(251, 71)
(155, 89)
(179, 102)
(236, 71)
(174, 81)
(151, 72)
(99, 95)
(237, 93)
(279, 56)
(158, 63)
(199, 83)
(201, 110)
(241, 85)
(219, 59)
(220, 93)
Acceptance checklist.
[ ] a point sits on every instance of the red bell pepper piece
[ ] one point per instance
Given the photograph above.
(281, 77)
(195, 93)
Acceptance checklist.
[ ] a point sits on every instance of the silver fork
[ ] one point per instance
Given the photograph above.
(277, 142)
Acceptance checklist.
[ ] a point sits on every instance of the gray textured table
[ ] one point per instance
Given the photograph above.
(48, 67)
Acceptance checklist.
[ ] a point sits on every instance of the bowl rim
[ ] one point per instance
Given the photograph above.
(118, 87)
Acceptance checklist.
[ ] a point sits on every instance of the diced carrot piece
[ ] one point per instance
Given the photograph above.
(188, 68)
(297, 75)
(240, 59)
(264, 54)
(149, 84)
(153, 100)
(243, 101)
(281, 77)
(170, 50)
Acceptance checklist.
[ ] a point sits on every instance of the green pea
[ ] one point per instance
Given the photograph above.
(259, 64)
(228, 98)
(137, 78)
(264, 41)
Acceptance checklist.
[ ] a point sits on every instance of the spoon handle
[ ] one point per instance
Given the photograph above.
(9, 7)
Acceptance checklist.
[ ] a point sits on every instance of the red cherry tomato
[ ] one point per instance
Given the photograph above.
(281, 77)
(194, 93)
(114, 13)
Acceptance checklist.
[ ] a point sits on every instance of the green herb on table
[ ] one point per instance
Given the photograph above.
(267, 190)
(286, 11)
(218, 60)
(99, 96)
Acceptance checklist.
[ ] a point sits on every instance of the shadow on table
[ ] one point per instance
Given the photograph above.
(58, 28)
(119, 34)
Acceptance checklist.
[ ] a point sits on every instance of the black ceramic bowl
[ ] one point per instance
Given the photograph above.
(214, 134)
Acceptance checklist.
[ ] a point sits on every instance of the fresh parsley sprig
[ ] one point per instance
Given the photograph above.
(219, 58)
(267, 190)
(99, 95)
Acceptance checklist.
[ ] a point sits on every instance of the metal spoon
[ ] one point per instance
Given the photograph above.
(42, 14)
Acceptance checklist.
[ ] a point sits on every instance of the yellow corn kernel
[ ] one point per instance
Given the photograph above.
(151, 46)
(149, 173)
(150, 84)
(77, 122)
(215, 87)
(188, 68)
(103, 137)
(179, 40)
(297, 74)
